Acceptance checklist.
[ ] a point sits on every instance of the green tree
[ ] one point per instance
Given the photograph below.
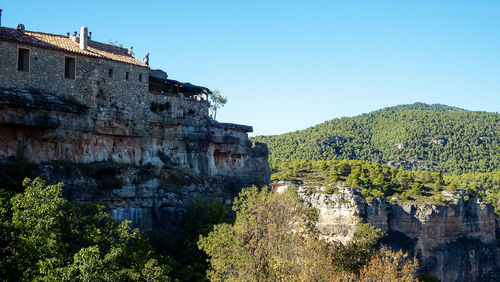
(404, 178)
(53, 239)
(271, 239)
(416, 188)
(217, 101)
(379, 181)
(36, 220)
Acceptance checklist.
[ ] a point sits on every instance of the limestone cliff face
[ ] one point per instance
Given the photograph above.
(456, 242)
(166, 148)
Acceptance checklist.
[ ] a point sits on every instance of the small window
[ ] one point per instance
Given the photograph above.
(110, 72)
(126, 75)
(23, 60)
(69, 67)
(140, 77)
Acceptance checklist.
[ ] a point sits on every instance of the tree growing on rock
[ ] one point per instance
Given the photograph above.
(217, 101)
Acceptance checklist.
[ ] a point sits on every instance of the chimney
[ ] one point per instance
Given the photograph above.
(0, 17)
(83, 37)
(21, 28)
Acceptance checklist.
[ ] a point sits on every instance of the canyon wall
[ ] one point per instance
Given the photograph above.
(455, 242)
(146, 157)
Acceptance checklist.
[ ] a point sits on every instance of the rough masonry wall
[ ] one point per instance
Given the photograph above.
(92, 85)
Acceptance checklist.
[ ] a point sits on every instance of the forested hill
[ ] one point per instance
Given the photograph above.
(434, 137)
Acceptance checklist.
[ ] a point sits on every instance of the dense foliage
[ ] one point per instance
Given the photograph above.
(272, 239)
(383, 181)
(433, 137)
(485, 186)
(45, 237)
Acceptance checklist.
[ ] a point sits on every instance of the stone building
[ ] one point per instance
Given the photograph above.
(90, 115)
(66, 98)
(112, 105)
(69, 66)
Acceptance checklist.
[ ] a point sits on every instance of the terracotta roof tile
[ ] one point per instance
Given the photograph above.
(64, 43)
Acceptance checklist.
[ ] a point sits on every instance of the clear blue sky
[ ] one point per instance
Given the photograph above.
(288, 65)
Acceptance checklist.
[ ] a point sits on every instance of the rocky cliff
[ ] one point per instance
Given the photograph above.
(146, 157)
(455, 242)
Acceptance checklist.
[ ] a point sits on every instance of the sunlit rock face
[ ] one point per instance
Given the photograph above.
(146, 158)
(456, 242)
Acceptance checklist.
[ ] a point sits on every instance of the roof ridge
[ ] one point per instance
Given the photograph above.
(32, 31)
(46, 33)
(65, 36)
(64, 43)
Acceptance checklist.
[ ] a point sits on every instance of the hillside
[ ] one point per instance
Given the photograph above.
(417, 136)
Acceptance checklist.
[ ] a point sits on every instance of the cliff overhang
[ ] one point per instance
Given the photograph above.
(146, 162)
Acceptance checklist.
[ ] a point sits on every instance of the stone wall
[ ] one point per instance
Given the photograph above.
(92, 85)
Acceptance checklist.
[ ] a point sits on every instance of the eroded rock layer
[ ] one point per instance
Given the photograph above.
(153, 139)
(455, 242)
